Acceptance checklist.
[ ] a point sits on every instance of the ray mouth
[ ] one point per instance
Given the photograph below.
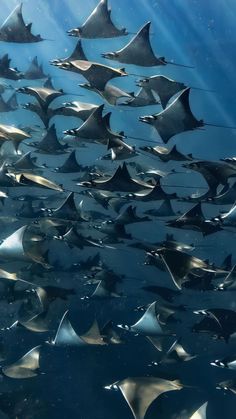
(145, 119)
(55, 61)
(109, 55)
(74, 32)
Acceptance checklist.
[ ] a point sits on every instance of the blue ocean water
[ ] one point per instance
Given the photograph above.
(195, 33)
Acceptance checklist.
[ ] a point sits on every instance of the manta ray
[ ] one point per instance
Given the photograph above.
(98, 25)
(77, 54)
(98, 75)
(9, 105)
(8, 72)
(140, 392)
(44, 95)
(139, 51)
(35, 71)
(26, 367)
(14, 28)
(163, 86)
(175, 119)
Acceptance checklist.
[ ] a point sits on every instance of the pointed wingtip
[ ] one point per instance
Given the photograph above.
(146, 28)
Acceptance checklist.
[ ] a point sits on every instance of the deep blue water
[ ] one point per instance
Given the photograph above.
(198, 33)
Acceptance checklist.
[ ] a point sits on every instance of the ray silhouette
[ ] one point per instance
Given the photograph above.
(66, 335)
(94, 128)
(35, 71)
(163, 86)
(140, 392)
(139, 51)
(45, 114)
(227, 196)
(148, 325)
(26, 367)
(195, 220)
(175, 119)
(50, 143)
(70, 165)
(110, 93)
(31, 179)
(28, 211)
(165, 210)
(9, 105)
(44, 95)
(105, 289)
(120, 181)
(186, 263)
(129, 216)
(156, 194)
(8, 72)
(121, 152)
(143, 97)
(113, 231)
(75, 239)
(218, 322)
(77, 54)
(68, 210)
(98, 75)
(14, 29)
(11, 133)
(77, 109)
(176, 353)
(165, 154)
(98, 24)
(26, 162)
(215, 173)
(40, 323)
(110, 335)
